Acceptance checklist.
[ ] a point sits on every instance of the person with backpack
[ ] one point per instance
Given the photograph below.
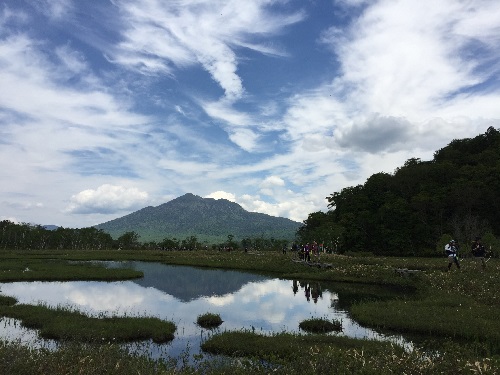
(479, 251)
(451, 250)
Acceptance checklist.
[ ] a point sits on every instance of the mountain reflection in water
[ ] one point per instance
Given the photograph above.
(189, 283)
(181, 294)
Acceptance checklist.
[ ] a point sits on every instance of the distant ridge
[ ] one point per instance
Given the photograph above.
(50, 227)
(206, 218)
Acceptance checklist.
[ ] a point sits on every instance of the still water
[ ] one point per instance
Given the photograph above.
(180, 294)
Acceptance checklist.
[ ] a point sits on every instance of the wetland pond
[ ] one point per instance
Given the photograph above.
(245, 301)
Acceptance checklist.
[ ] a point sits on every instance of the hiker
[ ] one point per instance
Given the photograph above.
(451, 250)
(479, 251)
(307, 253)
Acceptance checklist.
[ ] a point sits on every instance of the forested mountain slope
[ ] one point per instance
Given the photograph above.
(408, 212)
(206, 218)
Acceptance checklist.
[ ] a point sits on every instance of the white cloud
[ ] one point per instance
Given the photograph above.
(73, 60)
(186, 168)
(54, 9)
(414, 75)
(291, 206)
(222, 195)
(272, 181)
(202, 32)
(222, 110)
(107, 199)
(404, 64)
(246, 139)
(9, 218)
(31, 86)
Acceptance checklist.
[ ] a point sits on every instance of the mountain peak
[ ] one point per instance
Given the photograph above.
(207, 218)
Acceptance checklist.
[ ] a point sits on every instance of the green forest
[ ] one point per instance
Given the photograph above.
(25, 236)
(419, 207)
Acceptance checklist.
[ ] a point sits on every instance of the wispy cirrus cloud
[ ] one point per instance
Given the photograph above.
(159, 36)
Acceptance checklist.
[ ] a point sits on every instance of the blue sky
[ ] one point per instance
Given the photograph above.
(113, 105)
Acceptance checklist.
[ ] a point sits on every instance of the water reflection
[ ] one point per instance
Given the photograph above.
(180, 294)
(189, 283)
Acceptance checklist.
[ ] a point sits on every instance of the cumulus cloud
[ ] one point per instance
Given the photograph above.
(292, 206)
(9, 218)
(222, 195)
(107, 199)
(376, 134)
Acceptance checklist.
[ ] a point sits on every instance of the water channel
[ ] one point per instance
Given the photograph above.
(180, 294)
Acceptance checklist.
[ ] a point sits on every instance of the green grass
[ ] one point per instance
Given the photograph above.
(81, 359)
(319, 325)
(209, 320)
(29, 269)
(67, 325)
(282, 345)
(307, 358)
(320, 354)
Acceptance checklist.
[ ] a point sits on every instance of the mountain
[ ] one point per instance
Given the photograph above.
(206, 218)
(50, 227)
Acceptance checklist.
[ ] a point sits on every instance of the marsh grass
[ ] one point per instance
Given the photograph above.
(7, 301)
(282, 345)
(452, 307)
(26, 269)
(84, 359)
(68, 325)
(307, 358)
(209, 320)
(320, 354)
(320, 325)
(441, 316)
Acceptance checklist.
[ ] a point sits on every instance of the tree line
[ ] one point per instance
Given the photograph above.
(25, 236)
(411, 211)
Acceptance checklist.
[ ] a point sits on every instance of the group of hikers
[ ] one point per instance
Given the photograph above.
(305, 251)
(478, 251)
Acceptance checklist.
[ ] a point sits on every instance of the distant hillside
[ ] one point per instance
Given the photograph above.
(50, 227)
(206, 218)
